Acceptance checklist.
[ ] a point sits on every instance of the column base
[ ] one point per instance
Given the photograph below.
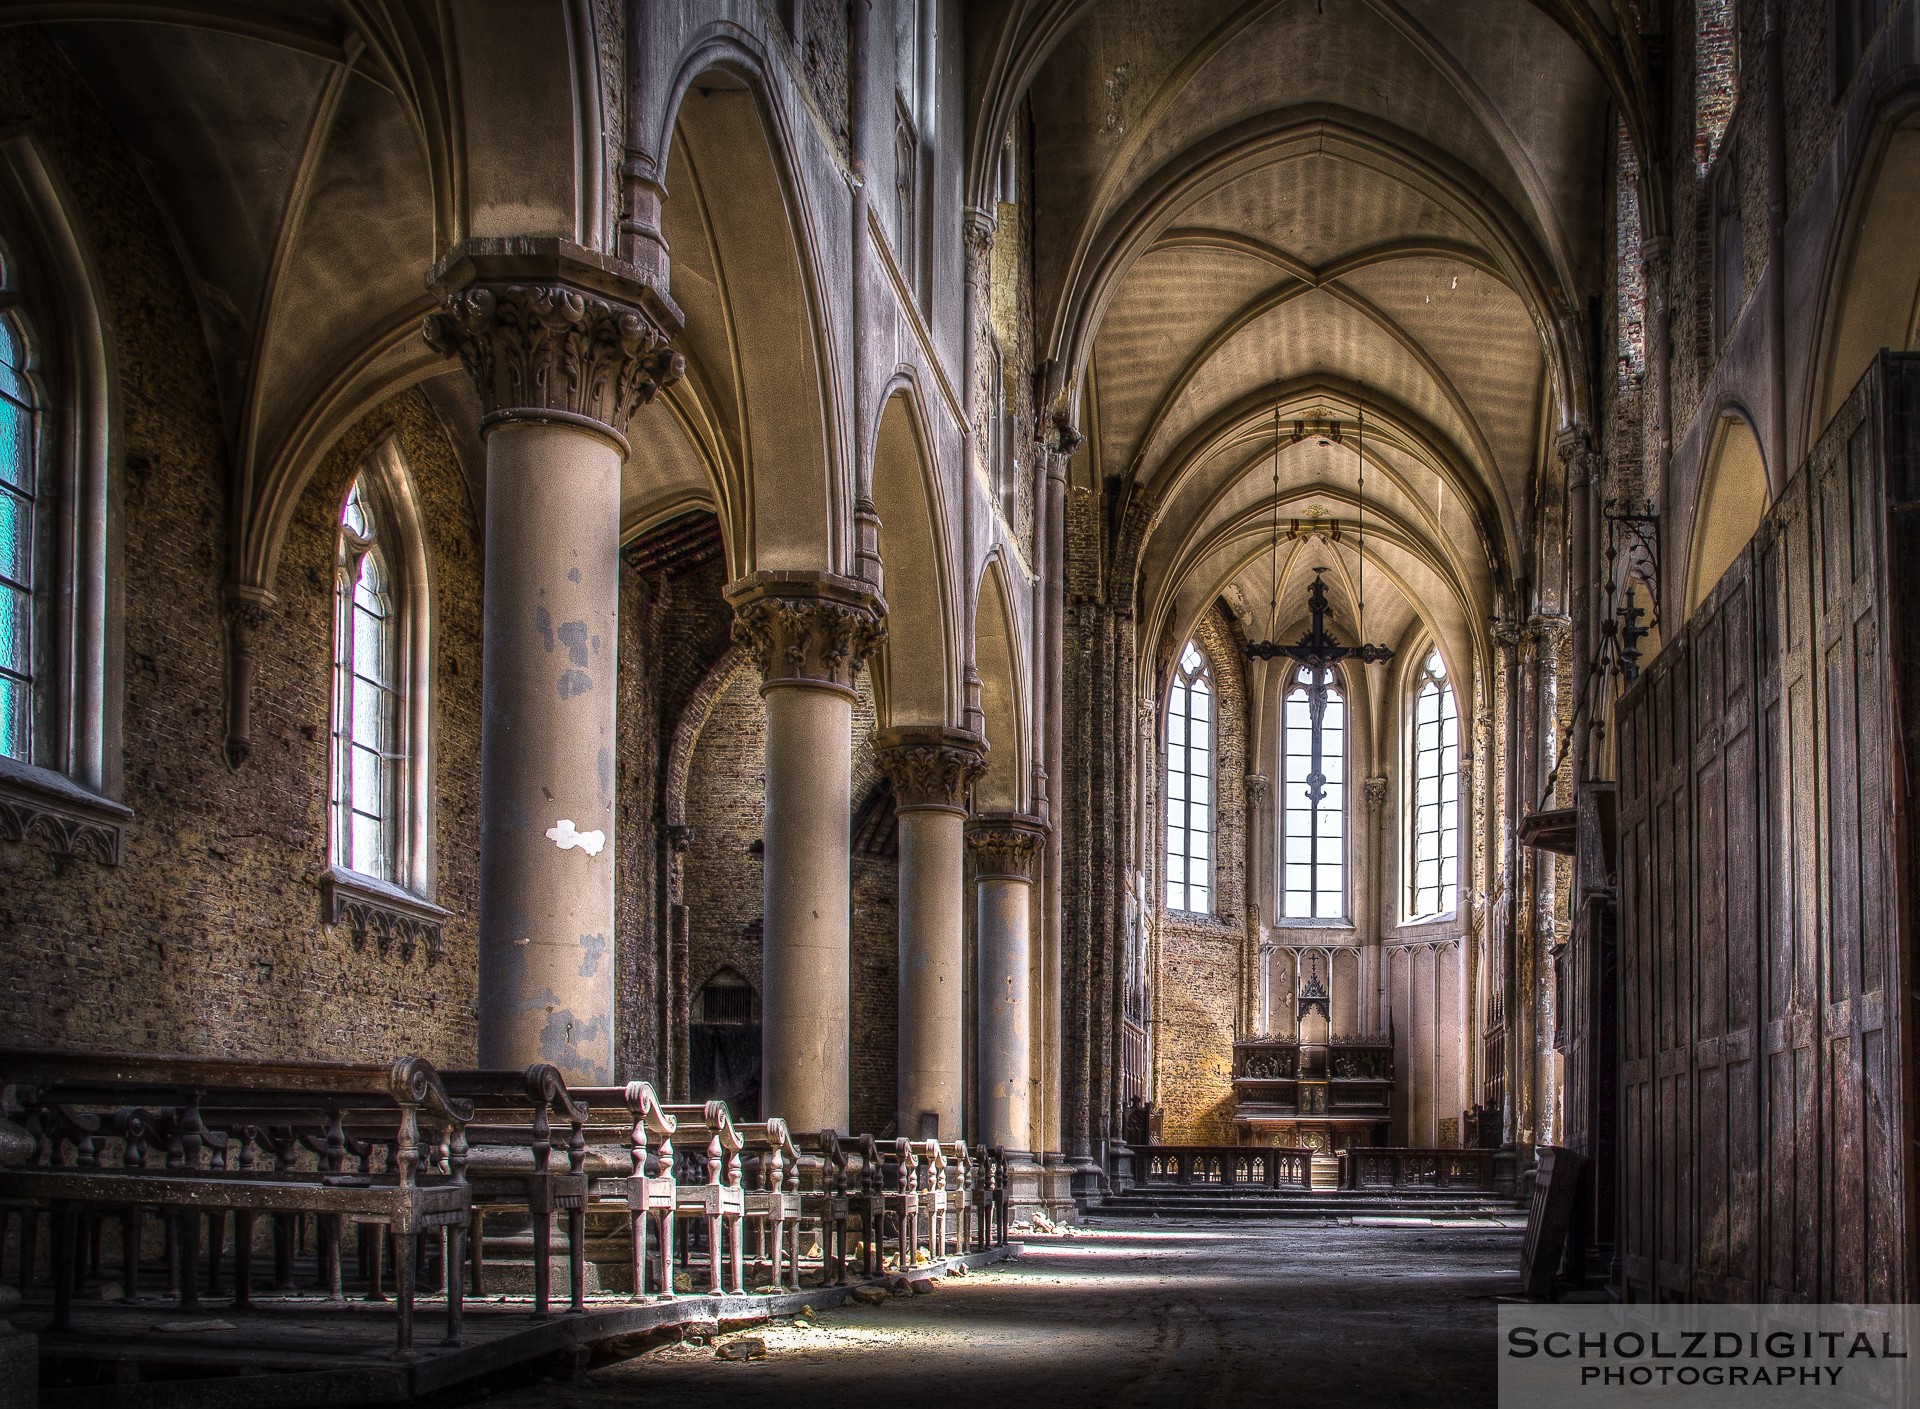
(1056, 1187)
(1026, 1195)
(1088, 1181)
(1120, 1165)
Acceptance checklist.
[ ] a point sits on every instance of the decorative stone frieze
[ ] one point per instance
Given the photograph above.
(807, 628)
(39, 805)
(550, 331)
(1005, 844)
(931, 766)
(383, 915)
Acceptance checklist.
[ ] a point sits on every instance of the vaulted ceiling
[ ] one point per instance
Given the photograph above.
(1259, 224)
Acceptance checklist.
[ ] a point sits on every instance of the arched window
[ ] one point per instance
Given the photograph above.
(367, 738)
(1190, 717)
(1436, 792)
(1313, 798)
(21, 594)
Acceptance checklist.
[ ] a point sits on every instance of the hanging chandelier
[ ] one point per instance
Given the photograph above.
(1318, 651)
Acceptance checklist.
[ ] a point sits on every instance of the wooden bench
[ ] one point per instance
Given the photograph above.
(771, 1177)
(99, 1118)
(630, 1159)
(707, 1184)
(510, 1168)
(931, 1182)
(825, 1197)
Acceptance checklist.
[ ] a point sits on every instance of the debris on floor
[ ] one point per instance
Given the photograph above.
(742, 1348)
(869, 1296)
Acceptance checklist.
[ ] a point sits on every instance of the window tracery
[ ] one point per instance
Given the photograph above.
(1190, 720)
(1434, 820)
(1313, 798)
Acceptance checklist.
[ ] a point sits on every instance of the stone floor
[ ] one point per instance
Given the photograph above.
(1212, 1314)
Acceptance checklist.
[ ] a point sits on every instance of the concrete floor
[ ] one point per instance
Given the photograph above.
(1212, 1314)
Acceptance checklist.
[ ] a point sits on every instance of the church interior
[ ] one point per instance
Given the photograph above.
(674, 667)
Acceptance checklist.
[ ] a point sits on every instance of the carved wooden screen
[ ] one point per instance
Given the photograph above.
(1766, 1098)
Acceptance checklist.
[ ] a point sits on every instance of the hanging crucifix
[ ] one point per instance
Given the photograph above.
(1317, 653)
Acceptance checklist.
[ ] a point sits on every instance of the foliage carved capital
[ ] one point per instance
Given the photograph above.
(931, 767)
(545, 330)
(807, 628)
(1006, 844)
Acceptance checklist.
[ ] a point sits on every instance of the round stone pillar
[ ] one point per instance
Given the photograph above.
(563, 349)
(931, 768)
(809, 633)
(1005, 848)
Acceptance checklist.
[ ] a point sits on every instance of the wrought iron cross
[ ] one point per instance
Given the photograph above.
(1319, 652)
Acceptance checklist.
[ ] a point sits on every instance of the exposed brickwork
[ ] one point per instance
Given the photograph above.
(208, 937)
(674, 626)
(823, 59)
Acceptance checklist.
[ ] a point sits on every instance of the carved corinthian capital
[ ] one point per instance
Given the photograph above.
(1005, 844)
(931, 766)
(548, 331)
(807, 628)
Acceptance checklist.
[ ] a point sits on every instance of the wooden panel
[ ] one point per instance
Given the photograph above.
(1766, 1082)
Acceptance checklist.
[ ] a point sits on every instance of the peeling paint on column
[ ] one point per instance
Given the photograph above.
(592, 948)
(574, 682)
(566, 836)
(543, 623)
(573, 635)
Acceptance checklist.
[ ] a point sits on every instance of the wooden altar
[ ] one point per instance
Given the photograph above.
(1319, 1096)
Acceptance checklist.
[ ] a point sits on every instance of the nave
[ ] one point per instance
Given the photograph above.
(1193, 1313)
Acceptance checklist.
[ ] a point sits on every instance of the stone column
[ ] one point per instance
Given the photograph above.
(563, 345)
(932, 768)
(1005, 848)
(809, 632)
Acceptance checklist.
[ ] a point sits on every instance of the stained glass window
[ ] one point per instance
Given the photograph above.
(19, 594)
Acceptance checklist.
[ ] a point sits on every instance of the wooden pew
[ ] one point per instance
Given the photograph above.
(825, 1197)
(772, 1183)
(630, 1162)
(100, 1118)
(930, 1182)
(707, 1183)
(510, 1167)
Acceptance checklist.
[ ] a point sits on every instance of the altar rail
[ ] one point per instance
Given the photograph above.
(1253, 1165)
(1378, 1168)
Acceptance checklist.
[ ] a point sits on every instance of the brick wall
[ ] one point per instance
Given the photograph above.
(208, 936)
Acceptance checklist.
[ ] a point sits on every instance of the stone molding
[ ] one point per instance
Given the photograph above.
(385, 915)
(549, 331)
(1005, 845)
(807, 628)
(932, 766)
(74, 824)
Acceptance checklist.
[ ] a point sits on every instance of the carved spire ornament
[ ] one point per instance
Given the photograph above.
(807, 628)
(549, 331)
(931, 766)
(1005, 844)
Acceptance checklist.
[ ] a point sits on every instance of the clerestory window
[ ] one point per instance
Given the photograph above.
(1190, 719)
(1313, 798)
(1435, 813)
